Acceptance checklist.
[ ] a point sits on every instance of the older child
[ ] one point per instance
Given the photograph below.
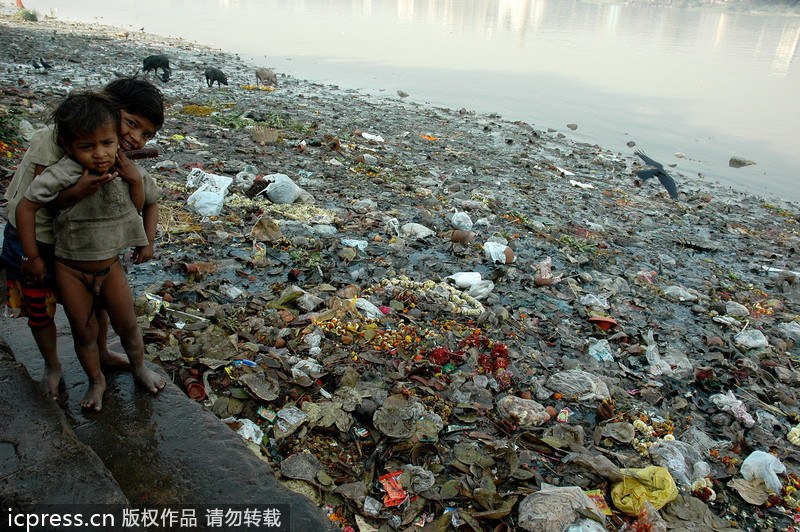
(141, 108)
(90, 235)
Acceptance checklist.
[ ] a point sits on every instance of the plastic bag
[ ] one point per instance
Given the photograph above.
(481, 290)
(554, 508)
(461, 220)
(684, 462)
(368, 309)
(281, 189)
(205, 201)
(465, 279)
(198, 178)
(649, 520)
(209, 197)
(765, 466)
(246, 429)
(496, 252)
(601, 351)
(728, 402)
(578, 384)
(594, 301)
(651, 484)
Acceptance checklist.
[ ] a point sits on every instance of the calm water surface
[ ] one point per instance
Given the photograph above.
(706, 84)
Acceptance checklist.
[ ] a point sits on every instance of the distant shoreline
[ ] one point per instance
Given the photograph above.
(753, 7)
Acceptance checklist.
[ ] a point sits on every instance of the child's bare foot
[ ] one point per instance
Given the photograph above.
(93, 400)
(149, 379)
(113, 361)
(53, 383)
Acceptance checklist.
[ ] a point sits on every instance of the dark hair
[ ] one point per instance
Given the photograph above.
(83, 113)
(138, 96)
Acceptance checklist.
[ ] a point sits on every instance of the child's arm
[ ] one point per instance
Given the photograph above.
(33, 266)
(84, 187)
(150, 219)
(130, 173)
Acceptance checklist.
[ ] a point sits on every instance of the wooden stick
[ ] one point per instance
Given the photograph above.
(144, 153)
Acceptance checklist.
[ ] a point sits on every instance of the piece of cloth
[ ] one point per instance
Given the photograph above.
(43, 151)
(97, 227)
(35, 302)
(93, 281)
(38, 304)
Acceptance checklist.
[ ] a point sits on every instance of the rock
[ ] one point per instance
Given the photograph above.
(415, 230)
(732, 308)
(622, 432)
(679, 293)
(791, 330)
(739, 162)
(751, 339)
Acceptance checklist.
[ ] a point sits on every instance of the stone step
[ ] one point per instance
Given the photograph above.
(164, 450)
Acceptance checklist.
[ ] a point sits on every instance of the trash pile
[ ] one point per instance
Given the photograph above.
(424, 317)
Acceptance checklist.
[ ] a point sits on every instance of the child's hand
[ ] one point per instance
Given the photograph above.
(126, 169)
(90, 183)
(33, 270)
(143, 254)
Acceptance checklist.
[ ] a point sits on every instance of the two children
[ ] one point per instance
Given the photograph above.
(87, 204)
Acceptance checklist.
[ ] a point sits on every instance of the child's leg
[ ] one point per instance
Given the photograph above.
(109, 359)
(78, 302)
(53, 378)
(37, 303)
(116, 295)
(45, 338)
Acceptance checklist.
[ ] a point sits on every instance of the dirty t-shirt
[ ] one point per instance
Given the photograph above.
(99, 226)
(44, 151)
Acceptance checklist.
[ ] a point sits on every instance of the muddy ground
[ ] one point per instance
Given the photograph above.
(407, 369)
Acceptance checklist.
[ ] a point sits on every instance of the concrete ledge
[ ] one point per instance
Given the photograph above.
(41, 459)
(161, 450)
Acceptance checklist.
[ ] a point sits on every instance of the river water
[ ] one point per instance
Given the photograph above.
(705, 84)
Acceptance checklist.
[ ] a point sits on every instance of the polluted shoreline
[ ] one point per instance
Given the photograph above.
(427, 317)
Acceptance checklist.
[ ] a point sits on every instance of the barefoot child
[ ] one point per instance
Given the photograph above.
(90, 235)
(142, 113)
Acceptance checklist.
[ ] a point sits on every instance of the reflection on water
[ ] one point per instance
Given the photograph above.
(708, 84)
(786, 49)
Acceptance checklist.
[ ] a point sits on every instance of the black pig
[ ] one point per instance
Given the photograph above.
(215, 74)
(154, 62)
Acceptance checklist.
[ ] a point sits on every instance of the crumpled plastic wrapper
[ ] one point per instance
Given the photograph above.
(553, 509)
(524, 412)
(578, 384)
(651, 484)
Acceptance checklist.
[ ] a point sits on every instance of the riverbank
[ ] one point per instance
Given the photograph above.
(342, 326)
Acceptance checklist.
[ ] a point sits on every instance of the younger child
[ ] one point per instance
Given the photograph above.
(141, 108)
(90, 235)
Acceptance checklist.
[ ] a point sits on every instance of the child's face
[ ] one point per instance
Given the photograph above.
(97, 151)
(135, 130)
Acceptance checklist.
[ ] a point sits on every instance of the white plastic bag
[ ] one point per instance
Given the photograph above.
(209, 197)
(205, 201)
(496, 252)
(246, 429)
(765, 466)
(465, 279)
